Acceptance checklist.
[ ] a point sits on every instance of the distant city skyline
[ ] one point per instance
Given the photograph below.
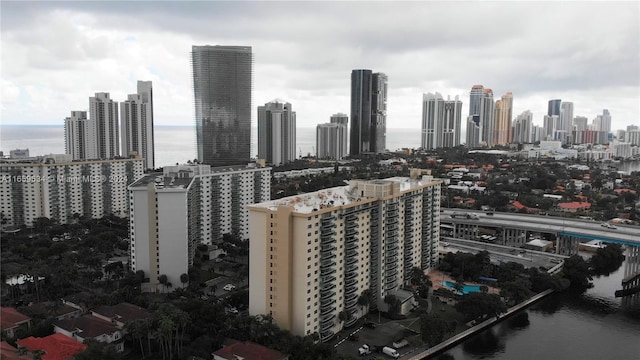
(51, 57)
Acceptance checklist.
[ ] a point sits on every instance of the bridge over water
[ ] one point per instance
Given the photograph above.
(514, 229)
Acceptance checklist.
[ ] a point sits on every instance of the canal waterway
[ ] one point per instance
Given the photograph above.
(588, 326)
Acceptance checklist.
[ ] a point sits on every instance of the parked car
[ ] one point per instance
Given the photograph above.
(364, 350)
(229, 287)
(391, 352)
(400, 344)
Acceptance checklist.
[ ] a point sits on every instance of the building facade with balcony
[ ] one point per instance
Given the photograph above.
(187, 205)
(313, 256)
(55, 187)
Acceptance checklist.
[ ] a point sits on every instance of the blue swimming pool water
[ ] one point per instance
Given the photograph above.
(465, 289)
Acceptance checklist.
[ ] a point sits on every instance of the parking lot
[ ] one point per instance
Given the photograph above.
(382, 335)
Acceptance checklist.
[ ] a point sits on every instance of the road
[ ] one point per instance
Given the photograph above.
(547, 224)
(499, 253)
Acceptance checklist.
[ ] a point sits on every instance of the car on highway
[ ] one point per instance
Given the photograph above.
(229, 287)
(608, 225)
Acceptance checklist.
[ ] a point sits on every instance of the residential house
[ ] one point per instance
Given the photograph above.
(54, 347)
(11, 320)
(120, 314)
(91, 327)
(52, 309)
(234, 350)
(8, 352)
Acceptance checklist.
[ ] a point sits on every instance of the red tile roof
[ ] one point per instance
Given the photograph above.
(518, 205)
(248, 351)
(8, 352)
(620, 191)
(574, 205)
(89, 326)
(10, 318)
(56, 346)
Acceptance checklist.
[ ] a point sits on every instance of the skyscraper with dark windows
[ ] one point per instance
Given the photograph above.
(480, 122)
(222, 86)
(554, 107)
(368, 112)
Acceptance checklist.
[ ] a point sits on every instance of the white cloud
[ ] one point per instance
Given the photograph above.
(56, 55)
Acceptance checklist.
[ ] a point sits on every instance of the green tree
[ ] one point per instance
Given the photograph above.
(476, 305)
(433, 329)
(515, 291)
(162, 279)
(184, 279)
(578, 272)
(393, 305)
(607, 260)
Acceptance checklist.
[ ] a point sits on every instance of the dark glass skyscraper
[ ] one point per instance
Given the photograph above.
(554, 107)
(222, 86)
(368, 112)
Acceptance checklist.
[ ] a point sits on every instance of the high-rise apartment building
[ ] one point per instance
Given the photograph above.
(313, 255)
(331, 141)
(550, 124)
(187, 205)
(487, 117)
(79, 135)
(368, 112)
(503, 116)
(342, 119)
(566, 117)
(58, 188)
(580, 123)
(603, 122)
(136, 120)
(554, 107)
(480, 123)
(104, 116)
(440, 121)
(222, 85)
(276, 132)
(522, 128)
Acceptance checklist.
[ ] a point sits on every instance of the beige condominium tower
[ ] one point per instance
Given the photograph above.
(314, 256)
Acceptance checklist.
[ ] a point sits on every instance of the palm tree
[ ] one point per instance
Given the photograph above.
(163, 280)
(458, 286)
(364, 299)
(184, 278)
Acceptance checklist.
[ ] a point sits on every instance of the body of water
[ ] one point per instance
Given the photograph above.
(173, 144)
(592, 326)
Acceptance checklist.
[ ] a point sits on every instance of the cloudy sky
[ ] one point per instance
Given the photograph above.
(54, 55)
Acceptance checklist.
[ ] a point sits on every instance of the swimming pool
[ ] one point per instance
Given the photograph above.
(465, 289)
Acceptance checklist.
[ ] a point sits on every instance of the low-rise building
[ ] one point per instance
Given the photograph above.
(55, 347)
(11, 320)
(91, 327)
(235, 350)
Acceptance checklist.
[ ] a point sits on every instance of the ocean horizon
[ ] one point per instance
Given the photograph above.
(173, 143)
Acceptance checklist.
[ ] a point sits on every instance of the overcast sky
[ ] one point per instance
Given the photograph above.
(57, 54)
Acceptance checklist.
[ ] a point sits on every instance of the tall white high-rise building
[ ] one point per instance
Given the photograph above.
(136, 120)
(566, 117)
(277, 132)
(342, 119)
(79, 136)
(580, 123)
(313, 255)
(440, 121)
(550, 124)
(186, 205)
(104, 115)
(58, 188)
(481, 117)
(331, 141)
(603, 122)
(502, 120)
(522, 128)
